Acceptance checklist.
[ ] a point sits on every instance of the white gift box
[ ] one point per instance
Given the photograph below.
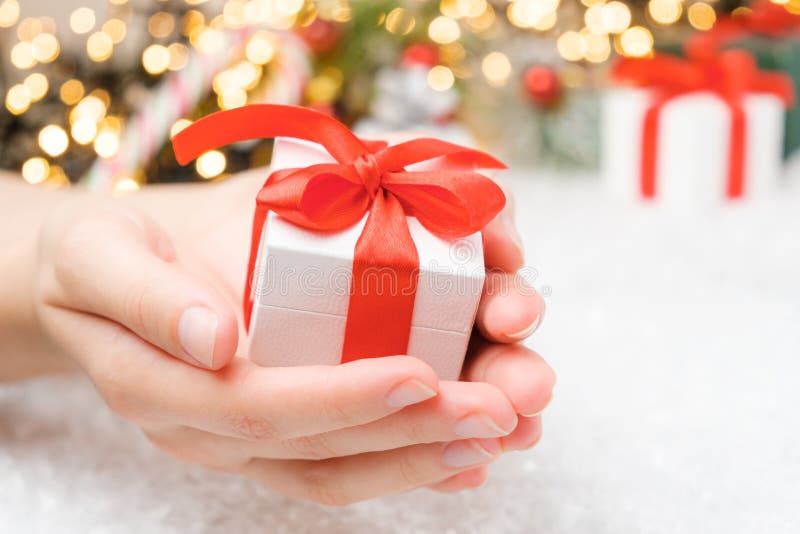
(693, 146)
(302, 282)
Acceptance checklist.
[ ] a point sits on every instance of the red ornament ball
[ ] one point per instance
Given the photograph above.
(543, 85)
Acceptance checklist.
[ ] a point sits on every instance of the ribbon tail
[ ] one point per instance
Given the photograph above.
(649, 162)
(384, 285)
(251, 282)
(737, 153)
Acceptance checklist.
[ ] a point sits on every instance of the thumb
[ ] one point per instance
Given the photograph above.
(120, 265)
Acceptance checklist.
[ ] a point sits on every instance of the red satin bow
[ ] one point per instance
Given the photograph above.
(764, 18)
(369, 177)
(731, 75)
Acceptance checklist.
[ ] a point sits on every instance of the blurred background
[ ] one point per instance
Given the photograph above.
(653, 151)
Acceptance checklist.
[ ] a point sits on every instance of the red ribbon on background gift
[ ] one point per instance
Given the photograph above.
(763, 18)
(451, 201)
(730, 75)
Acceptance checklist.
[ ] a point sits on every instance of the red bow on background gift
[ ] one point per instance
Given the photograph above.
(451, 201)
(764, 18)
(730, 75)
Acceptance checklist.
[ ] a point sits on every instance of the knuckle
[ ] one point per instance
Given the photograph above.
(250, 427)
(241, 417)
(321, 487)
(310, 447)
(412, 432)
(410, 471)
(335, 405)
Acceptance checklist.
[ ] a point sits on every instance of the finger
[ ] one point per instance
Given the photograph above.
(120, 266)
(510, 309)
(350, 479)
(471, 479)
(242, 400)
(502, 244)
(519, 372)
(461, 410)
(527, 434)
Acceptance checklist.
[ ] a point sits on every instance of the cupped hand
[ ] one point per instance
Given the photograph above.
(143, 293)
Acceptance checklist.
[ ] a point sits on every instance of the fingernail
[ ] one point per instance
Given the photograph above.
(479, 426)
(528, 330)
(408, 393)
(197, 333)
(546, 404)
(465, 453)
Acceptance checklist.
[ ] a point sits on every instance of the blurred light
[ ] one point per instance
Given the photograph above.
(103, 96)
(232, 97)
(37, 86)
(178, 56)
(90, 107)
(192, 20)
(53, 140)
(570, 46)
(452, 53)
(596, 48)
(99, 46)
(18, 99)
(124, 185)
(483, 21)
(106, 144)
(247, 75)
(71, 92)
(496, 67)
(665, 11)
(45, 47)
(179, 125)
(616, 17)
(324, 88)
(636, 41)
(155, 59)
(111, 123)
(82, 20)
(471, 8)
(589, 3)
(22, 55)
(260, 48)
(287, 8)
(9, 13)
(35, 170)
(161, 24)
(116, 29)
(29, 28)
(528, 13)
(440, 78)
(207, 40)
(400, 21)
(547, 22)
(593, 18)
(444, 30)
(234, 14)
(84, 130)
(211, 164)
(702, 16)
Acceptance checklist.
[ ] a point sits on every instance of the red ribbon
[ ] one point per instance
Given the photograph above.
(764, 18)
(369, 177)
(730, 75)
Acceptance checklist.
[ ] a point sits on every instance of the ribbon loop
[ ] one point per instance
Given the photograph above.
(370, 173)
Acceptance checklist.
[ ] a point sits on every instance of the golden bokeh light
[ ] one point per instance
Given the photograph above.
(636, 41)
(444, 30)
(99, 46)
(124, 185)
(45, 47)
(161, 24)
(84, 130)
(211, 164)
(179, 126)
(207, 40)
(9, 13)
(232, 97)
(29, 28)
(546, 22)
(287, 8)
(178, 56)
(400, 21)
(496, 68)
(529, 13)
(106, 144)
(35, 170)
(82, 20)
(22, 55)
(18, 99)
(37, 85)
(593, 18)
(53, 140)
(616, 17)
(323, 89)
(665, 11)
(597, 48)
(441, 78)
(260, 48)
(155, 59)
(570, 46)
(71, 92)
(116, 29)
(90, 107)
(702, 16)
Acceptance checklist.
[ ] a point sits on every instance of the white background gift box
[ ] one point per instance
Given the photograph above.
(693, 146)
(302, 282)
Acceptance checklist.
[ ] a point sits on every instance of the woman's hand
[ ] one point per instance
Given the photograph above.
(143, 294)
